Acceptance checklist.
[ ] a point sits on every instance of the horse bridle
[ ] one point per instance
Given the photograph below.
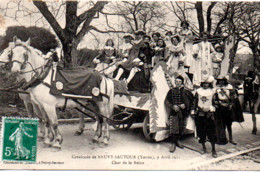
(11, 61)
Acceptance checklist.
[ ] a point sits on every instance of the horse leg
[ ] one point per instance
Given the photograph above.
(98, 131)
(48, 136)
(52, 116)
(41, 120)
(254, 116)
(29, 108)
(80, 130)
(251, 105)
(103, 108)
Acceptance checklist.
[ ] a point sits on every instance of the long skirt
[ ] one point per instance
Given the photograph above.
(205, 127)
(223, 119)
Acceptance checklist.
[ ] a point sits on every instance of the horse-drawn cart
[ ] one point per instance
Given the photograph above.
(146, 108)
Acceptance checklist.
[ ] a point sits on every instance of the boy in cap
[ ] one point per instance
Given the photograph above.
(203, 112)
(179, 102)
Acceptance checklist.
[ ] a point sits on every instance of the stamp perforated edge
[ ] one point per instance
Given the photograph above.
(2, 137)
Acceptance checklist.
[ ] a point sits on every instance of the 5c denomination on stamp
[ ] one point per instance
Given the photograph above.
(19, 139)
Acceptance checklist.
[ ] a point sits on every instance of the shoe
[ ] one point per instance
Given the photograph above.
(173, 148)
(179, 144)
(232, 142)
(214, 154)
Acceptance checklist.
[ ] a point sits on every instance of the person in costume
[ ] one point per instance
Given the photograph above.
(226, 110)
(202, 63)
(159, 52)
(106, 58)
(175, 53)
(133, 61)
(203, 112)
(187, 40)
(141, 80)
(179, 103)
(217, 59)
(155, 38)
(167, 38)
(124, 52)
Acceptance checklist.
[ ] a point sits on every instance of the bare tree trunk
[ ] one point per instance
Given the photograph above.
(209, 21)
(200, 17)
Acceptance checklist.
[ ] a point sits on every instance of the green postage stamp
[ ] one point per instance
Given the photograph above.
(19, 139)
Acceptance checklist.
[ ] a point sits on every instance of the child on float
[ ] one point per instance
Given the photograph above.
(187, 40)
(106, 58)
(217, 58)
(175, 53)
(167, 38)
(159, 52)
(155, 37)
(203, 113)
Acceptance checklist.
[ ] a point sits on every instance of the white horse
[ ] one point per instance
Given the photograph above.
(27, 62)
(31, 108)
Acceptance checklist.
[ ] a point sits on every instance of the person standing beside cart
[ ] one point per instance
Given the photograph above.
(179, 102)
(203, 112)
(223, 101)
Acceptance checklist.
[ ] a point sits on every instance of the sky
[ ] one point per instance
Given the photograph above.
(89, 39)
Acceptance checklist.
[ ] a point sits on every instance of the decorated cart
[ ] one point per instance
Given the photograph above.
(146, 108)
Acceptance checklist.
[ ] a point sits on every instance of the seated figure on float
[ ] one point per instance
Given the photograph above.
(106, 58)
(139, 58)
(159, 52)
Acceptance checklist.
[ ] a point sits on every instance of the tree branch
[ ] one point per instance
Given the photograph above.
(209, 21)
(42, 7)
(97, 7)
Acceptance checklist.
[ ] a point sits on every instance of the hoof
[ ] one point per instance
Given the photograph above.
(94, 141)
(56, 144)
(254, 132)
(103, 145)
(78, 132)
(46, 146)
(214, 155)
(204, 151)
(40, 139)
(55, 149)
(47, 142)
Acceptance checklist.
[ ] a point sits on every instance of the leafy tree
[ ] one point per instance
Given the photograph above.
(41, 38)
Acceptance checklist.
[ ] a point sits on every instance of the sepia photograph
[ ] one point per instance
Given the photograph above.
(129, 85)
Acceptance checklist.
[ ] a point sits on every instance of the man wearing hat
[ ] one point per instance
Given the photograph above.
(179, 102)
(203, 112)
(223, 100)
(133, 60)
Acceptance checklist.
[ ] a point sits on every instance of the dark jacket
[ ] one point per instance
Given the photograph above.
(187, 98)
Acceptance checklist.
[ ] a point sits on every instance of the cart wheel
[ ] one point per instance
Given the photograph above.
(122, 126)
(146, 129)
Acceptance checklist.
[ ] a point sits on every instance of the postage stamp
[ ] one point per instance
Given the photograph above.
(19, 139)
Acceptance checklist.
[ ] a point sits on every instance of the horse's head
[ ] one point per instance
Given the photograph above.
(16, 55)
(5, 56)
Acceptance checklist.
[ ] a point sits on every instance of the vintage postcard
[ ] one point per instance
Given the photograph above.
(129, 85)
